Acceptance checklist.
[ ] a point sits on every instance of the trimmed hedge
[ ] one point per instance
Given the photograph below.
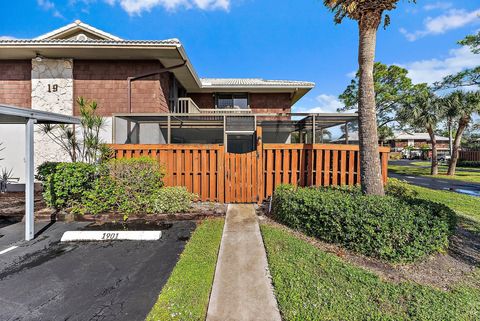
(396, 229)
(474, 164)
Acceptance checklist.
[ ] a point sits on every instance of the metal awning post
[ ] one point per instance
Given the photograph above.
(29, 183)
(169, 130)
(314, 130)
(225, 137)
(321, 135)
(346, 133)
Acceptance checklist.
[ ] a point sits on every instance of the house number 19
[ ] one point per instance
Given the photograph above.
(52, 88)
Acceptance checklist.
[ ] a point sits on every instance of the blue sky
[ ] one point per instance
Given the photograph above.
(294, 40)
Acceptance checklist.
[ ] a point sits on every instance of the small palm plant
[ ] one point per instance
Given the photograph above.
(90, 147)
(6, 177)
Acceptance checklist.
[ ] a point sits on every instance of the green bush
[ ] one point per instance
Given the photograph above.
(68, 183)
(469, 164)
(390, 228)
(44, 170)
(172, 200)
(133, 186)
(400, 189)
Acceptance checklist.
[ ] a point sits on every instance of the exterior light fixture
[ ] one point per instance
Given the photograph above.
(38, 57)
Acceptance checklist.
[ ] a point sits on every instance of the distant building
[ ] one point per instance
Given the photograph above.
(414, 145)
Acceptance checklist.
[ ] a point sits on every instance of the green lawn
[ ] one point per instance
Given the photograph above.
(313, 285)
(473, 177)
(185, 296)
(467, 207)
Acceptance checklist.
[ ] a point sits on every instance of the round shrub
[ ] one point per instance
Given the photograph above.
(174, 199)
(390, 228)
(44, 170)
(67, 184)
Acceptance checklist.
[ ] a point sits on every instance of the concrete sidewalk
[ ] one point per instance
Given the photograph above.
(241, 288)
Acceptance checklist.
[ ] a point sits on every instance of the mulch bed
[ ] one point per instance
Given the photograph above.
(12, 210)
(443, 271)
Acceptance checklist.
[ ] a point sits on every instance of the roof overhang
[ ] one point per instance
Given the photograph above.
(296, 92)
(18, 115)
(169, 53)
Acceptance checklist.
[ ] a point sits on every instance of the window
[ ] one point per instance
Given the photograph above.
(232, 101)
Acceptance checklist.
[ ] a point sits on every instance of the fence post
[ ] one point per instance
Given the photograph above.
(260, 183)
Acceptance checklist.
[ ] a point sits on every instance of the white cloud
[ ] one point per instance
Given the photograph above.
(133, 7)
(325, 104)
(452, 19)
(437, 6)
(432, 70)
(49, 6)
(7, 38)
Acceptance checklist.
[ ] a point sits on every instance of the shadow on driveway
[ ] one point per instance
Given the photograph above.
(87, 281)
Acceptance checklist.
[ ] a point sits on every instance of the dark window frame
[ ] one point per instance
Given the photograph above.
(232, 95)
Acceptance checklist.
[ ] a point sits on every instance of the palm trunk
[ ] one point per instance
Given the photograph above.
(370, 168)
(450, 138)
(462, 125)
(434, 168)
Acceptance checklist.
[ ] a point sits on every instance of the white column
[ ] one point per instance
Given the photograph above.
(29, 187)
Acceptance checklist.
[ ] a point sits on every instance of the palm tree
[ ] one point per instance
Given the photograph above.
(424, 111)
(460, 107)
(368, 14)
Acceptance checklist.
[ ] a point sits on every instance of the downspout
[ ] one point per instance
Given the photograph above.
(129, 89)
(131, 79)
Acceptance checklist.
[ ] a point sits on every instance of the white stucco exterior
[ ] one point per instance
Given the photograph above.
(52, 90)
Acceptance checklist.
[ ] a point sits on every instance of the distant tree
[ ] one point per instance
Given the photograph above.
(90, 147)
(468, 77)
(369, 15)
(460, 106)
(393, 88)
(424, 112)
(384, 134)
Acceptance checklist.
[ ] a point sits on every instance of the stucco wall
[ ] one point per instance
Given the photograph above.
(52, 90)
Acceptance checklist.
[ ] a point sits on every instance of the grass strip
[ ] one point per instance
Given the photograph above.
(465, 176)
(313, 285)
(466, 206)
(185, 296)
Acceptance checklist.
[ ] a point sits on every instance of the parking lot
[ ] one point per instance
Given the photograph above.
(117, 280)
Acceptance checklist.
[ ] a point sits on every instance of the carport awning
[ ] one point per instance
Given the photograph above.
(18, 115)
(30, 117)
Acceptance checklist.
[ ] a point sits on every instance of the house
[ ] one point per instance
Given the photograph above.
(415, 145)
(411, 145)
(148, 90)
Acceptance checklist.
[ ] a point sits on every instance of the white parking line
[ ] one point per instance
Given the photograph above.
(71, 236)
(8, 250)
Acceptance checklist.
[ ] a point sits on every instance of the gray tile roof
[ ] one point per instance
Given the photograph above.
(252, 82)
(88, 42)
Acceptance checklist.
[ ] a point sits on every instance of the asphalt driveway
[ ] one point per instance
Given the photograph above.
(48, 280)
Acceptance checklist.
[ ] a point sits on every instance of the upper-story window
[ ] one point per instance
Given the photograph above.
(232, 101)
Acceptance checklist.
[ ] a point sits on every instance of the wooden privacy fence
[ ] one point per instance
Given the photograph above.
(216, 176)
(314, 165)
(473, 155)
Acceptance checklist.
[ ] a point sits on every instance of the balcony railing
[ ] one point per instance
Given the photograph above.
(187, 106)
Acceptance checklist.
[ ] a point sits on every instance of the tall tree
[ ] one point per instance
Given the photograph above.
(424, 111)
(393, 88)
(460, 106)
(368, 14)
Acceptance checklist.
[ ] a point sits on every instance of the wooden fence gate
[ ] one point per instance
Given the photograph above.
(216, 176)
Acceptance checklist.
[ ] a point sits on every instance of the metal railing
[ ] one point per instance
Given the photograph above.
(186, 105)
